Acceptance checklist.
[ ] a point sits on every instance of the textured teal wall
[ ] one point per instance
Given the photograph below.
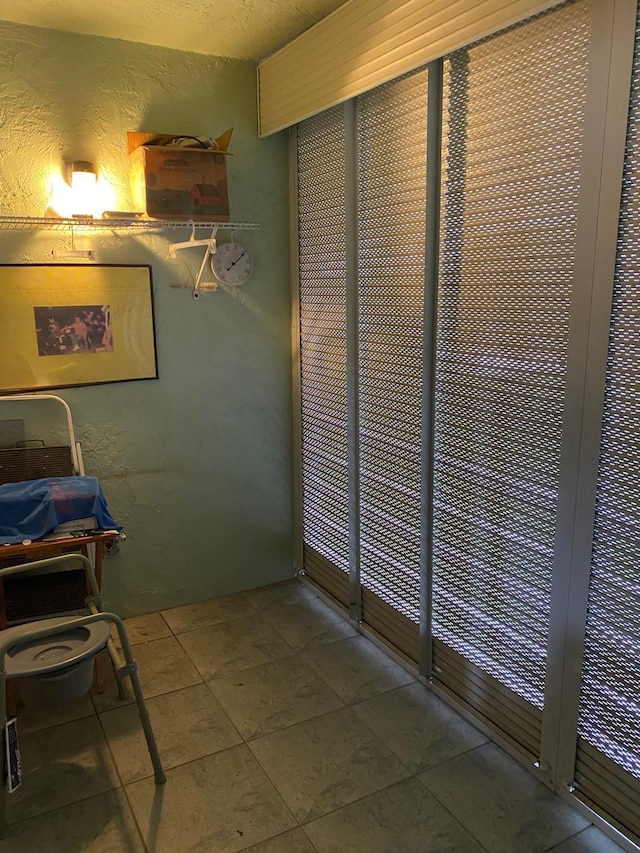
(195, 465)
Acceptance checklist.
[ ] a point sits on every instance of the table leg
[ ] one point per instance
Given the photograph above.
(97, 666)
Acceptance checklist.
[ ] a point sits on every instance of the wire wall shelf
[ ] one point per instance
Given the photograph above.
(52, 223)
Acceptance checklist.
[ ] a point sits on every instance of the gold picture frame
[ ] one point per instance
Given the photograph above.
(63, 325)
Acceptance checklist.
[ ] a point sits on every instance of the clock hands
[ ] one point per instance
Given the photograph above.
(233, 263)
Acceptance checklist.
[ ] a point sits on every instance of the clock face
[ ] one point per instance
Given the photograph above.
(231, 264)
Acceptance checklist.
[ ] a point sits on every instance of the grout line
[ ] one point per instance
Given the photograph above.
(273, 784)
(143, 841)
(48, 814)
(445, 807)
(177, 634)
(122, 785)
(388, 787)
(209, 755)
(95, 748)
(309, 839)
(451, 758)
(564, 840)
(49, 726)
(169, 770)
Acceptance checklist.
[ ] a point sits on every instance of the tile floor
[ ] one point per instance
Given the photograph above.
(282, 730)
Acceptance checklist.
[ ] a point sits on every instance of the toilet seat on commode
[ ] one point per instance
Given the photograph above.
(48, 655)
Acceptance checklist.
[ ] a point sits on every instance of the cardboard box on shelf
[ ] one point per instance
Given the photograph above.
(174, 182)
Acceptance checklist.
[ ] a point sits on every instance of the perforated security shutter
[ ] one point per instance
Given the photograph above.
(322, 259)
(513, 123)
(607, 772)
(392, 122)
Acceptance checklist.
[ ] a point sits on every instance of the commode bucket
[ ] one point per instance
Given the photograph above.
(55, 669)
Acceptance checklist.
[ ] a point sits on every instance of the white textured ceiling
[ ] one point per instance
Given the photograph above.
(244, 29)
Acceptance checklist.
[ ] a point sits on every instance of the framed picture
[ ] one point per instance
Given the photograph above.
(64, 324)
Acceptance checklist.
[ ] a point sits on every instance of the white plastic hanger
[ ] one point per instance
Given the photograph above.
(210, 243)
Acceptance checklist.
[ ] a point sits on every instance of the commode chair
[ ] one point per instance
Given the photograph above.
(53, 660)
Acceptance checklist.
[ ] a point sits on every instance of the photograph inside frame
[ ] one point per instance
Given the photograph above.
(81, 329)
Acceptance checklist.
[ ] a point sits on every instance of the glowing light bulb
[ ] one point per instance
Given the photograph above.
(83, 188)
(82, 194)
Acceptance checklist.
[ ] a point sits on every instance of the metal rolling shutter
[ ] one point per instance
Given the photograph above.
(513, 119)
(392, 141)
(608, 757)
(322, 258)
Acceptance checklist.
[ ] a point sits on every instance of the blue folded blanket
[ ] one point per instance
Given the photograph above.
(31, 509)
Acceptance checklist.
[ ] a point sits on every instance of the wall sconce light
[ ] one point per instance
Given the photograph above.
(76, 191)
(81, 175)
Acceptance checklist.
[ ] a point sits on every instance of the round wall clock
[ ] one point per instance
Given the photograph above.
(231, 264)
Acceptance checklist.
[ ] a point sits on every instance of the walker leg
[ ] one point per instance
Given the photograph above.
(158, 772)
(130, 668)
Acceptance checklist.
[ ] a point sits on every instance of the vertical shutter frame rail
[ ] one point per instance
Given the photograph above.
(434, 169)
(353, 357)
(605, 789)
(609, 83)
(296, 364)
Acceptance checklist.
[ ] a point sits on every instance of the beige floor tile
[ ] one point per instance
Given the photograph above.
(33, 719)
(355, 669)
(205, 613)
(143, 629)
(307, 621)
(289, 842)
(506, 808)
(590, 840)
(327, 762)
(61, 766)
(102, 824)
(163, 666)
(188, 724)
(265, 596)
(273, 696)
(233, 646)
(403, 818)
(418, 727)
(223, 802)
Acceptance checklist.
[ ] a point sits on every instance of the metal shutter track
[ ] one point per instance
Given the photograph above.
(607, 787)
(330, 579)
(395, 629)
(501, 709)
